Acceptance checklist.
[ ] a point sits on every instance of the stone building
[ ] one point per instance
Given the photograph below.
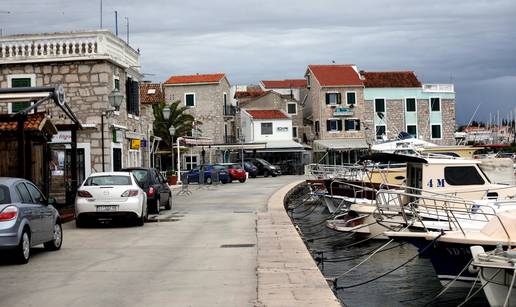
(91, 66)
(207, 97)
(396, 101)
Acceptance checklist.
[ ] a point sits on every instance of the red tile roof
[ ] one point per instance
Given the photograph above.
(33, 122)
(288, 83)
(151, 93)
(250, 93)
(336, 75)
(267, 114)
(206, 78)
(391, 79)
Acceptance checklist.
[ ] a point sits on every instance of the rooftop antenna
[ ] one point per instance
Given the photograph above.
(100, 14)
(116, 23)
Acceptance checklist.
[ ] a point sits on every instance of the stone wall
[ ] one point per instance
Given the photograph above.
(209, 105)
(87, 85)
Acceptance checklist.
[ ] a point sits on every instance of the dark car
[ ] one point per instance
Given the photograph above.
(236, 172)
(264, 167)
(27, 219)
(222, 171)
(251, 169)
(156, 187)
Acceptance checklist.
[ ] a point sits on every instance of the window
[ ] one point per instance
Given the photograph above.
(132, 97)
(379, 105)
(20, 82)
(133, 158)
(352, 124)
(191, 161)
(380, 131)
(294, 132)
(108, 180)
(435, 104)
(317, 127)
(462, 175)
(410, 104)
(412, 130)
(266, 128)
(23, 193)
(332, 98)
(190, 100)
(292, 108)
(116, 84)
(351, 98)
(334, 125)
(436, 131)
(36, 194)
(225, 99)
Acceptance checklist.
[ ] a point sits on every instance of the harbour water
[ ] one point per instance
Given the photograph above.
(414, 284)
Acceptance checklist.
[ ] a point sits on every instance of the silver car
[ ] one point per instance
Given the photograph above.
(27, 219)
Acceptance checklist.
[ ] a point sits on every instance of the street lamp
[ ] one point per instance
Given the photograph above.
(115, 99)
(166, 113)
(242, 140)
(172, 132)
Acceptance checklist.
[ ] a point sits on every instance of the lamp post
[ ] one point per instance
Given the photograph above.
(242, 140)
(172, 132)
(115, 99)
(178, 161)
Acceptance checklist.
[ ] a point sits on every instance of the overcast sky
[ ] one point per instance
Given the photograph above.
(471, 43)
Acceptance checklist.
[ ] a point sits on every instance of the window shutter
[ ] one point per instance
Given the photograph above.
(339, 100)
(328, 124)
(357, 127)
(136, 98)
(128, 95)
(327, 98)
(339, 125)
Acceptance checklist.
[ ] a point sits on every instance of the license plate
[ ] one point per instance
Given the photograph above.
(107, 208)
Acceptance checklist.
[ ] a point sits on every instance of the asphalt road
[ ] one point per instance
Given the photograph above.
(201, 253)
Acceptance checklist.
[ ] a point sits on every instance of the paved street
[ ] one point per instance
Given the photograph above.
(177, 261)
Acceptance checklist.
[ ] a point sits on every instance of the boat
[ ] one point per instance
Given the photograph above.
(449, 251)
(497, 273)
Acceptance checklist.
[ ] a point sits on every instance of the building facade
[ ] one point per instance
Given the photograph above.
(90, 66)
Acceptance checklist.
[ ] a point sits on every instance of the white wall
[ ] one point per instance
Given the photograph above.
(279, 133)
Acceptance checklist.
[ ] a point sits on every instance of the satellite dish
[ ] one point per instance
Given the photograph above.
(60, 95)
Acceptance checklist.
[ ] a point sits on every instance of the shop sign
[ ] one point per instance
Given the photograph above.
(282, 129)
(135, 143)
(343, 112)
(144, 143)
(118, 136)
(62, 137)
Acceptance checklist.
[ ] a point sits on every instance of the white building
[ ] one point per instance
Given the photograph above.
(274, 128)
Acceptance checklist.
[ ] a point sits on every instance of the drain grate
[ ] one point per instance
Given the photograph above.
(236, 245)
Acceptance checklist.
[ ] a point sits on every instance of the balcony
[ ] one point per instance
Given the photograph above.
(343, 112)
(230, 139)
(229, 111)
(72, 46)
(438, 88)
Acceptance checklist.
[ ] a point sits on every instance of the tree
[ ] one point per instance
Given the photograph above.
(182, 121)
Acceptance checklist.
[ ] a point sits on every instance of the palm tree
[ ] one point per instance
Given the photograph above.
(182, 121)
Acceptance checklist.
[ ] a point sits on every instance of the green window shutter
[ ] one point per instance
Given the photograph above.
(351, 98)
(20, 82)
(190, 100)
(327, 98)
(357, 125)
(328, 125)
(18, 106)
(339, 99)
(339, 124)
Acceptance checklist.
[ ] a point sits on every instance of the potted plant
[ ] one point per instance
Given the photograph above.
(171, 177)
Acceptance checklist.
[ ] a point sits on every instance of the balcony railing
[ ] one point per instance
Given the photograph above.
(229, 111)
(101, 44)
(439, 88)
(230, 139)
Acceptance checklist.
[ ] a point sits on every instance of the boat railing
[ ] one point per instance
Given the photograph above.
(325, 171)
(430, 208)
(358, 191)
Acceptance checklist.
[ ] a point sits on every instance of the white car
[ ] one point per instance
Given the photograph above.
(110, 195)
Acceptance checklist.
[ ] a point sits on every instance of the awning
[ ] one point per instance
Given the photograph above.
(197, 141)
(340, 144)
(282, 146)
(35, 122)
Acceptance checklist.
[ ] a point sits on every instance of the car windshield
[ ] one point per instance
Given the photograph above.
(4, 195)
(108, 180)
(140, 175)
(219, 167)
(264, 162)
(236, 166)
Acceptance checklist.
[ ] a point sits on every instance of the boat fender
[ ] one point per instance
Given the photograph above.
(473, 269)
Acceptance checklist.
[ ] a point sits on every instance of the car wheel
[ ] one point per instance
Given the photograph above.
(140, 220)
(274, 175)
(208, 180)
(57, 238)
(157, 206)
(242, 180)
(80, 222)
(230, 180)
(253, 176)
(265, 173)
(22, 252)
(168, 206)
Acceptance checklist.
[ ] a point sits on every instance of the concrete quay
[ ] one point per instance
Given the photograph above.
(230, 245)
